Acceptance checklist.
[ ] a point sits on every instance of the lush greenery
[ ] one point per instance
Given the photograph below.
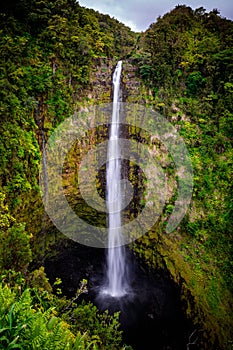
(33, 318)
(49, 51)
(31, 315)
(185, 60)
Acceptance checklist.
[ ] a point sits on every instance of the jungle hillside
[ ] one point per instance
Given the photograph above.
(57, 59)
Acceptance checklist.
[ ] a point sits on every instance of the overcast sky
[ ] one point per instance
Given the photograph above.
(139, 14)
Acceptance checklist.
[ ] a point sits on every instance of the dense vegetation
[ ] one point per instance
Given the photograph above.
(48, 50)
(185, 60)
(48, 53)
(190, 79)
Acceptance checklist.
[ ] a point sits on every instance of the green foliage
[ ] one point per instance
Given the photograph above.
(24, 326)
(29, 320)
(194, 82)
(15, 248)
(192, 48)
(145, 71)
(102, 328)
(37, 279)
(189, 53)
(48, 50)
(15, 251)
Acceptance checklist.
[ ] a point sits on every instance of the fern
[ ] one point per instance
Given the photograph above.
(26, 326)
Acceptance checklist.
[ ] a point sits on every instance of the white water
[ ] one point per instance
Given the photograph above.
(116, 269)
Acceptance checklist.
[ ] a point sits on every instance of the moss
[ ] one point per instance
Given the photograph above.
(206, 300)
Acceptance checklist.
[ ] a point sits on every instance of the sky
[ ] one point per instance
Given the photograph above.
(139, 14)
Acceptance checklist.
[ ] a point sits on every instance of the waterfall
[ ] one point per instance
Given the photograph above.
(116, 267)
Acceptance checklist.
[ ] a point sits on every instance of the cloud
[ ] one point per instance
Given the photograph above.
(139, 14)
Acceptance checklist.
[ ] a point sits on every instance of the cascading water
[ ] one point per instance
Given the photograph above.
(116, 267)
(150, 308)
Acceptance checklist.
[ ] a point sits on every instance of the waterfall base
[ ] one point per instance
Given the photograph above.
(150, 311)
(106, 292)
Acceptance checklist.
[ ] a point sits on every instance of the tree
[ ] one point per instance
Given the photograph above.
(15, 251)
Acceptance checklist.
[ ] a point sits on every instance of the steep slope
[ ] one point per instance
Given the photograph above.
(57, 58)
(188, 78)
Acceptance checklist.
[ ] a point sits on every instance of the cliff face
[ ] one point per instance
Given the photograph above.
(161, 251)
(170, 253)
(131, 84)
(188, 259)
(100, 90)
(54, 65)
(206, 301)
(100, 87)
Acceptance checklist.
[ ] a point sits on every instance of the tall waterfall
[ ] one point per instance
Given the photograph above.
(116, 268)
